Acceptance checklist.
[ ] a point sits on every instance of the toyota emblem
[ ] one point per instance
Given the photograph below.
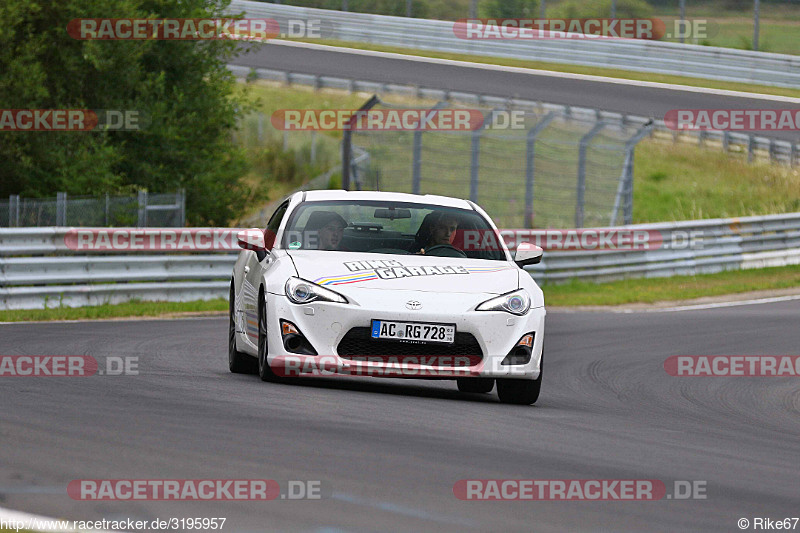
(413, 305)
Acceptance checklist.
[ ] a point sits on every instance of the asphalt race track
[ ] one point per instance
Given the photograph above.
(630, 99)
(388, 452)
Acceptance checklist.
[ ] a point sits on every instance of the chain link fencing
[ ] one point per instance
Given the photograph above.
(142, 210)
(549, 170)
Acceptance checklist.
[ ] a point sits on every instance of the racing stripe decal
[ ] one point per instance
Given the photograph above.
(369, 275)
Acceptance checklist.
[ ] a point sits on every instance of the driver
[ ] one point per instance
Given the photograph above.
(328, 226)
(437, 229)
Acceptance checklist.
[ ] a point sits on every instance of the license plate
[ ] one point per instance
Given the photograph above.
(414, 331)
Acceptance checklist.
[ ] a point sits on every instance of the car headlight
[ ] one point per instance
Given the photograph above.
(301, 291)
(517, 303)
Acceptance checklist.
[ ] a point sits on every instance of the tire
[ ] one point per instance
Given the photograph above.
(478, 385)
(238, 362)
(521, 391)
(264, 370)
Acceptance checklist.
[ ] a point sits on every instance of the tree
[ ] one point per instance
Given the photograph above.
(189, 97)
(509, 9)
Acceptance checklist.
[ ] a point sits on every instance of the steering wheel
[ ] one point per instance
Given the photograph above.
(449, 251)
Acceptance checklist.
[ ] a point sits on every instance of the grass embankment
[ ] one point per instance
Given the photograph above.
(128, 309)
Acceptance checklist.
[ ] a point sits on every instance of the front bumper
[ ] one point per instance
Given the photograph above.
(325, 325)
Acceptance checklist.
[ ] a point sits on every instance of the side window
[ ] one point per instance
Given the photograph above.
(274, 224)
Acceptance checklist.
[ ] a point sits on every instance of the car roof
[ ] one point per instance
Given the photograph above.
(430, 199)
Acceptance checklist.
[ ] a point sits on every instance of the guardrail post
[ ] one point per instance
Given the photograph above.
(105, 219)
(726, 141)
(750, 148)
(793, 153)
(182, 199)
(771, 150)
(142, 198)
(260, 127)
(416, 156)
(581, 188)
(13, 211)
(347, 140)
(475, 152)
(61, 209)
(530, 155)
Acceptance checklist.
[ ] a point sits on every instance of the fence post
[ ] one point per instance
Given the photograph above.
(475, 152)
(625, 186)
(142, 198)
(61, 209)
(416, 166)
(529, 166)
(581, 187)
(347, 140)
(313, 146)
(260, 127)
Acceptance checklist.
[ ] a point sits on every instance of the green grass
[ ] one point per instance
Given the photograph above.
(685, 182)
(777, 36)
(129, 309)
(576, 69)
(649, 290)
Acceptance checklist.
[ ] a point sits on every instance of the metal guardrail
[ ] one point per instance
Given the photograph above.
(754, 146)
(46, 273)
(639, 55)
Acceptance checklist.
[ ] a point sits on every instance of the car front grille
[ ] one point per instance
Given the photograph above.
(358, 343)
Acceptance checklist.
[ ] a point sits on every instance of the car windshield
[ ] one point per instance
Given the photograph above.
(396, 228)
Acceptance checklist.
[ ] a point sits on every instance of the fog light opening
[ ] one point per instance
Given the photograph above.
(521, 353)
(294, 341)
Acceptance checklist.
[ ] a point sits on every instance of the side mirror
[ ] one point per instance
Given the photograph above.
(528, 254)
(252, 239)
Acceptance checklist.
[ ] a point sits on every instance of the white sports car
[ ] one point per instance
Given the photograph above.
(391, 285)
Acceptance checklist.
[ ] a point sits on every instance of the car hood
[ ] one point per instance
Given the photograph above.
(341, 271)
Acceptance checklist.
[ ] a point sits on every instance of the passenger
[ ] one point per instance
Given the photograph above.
(328, 227)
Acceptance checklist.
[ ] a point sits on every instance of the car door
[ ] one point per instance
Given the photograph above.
(258, 264)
